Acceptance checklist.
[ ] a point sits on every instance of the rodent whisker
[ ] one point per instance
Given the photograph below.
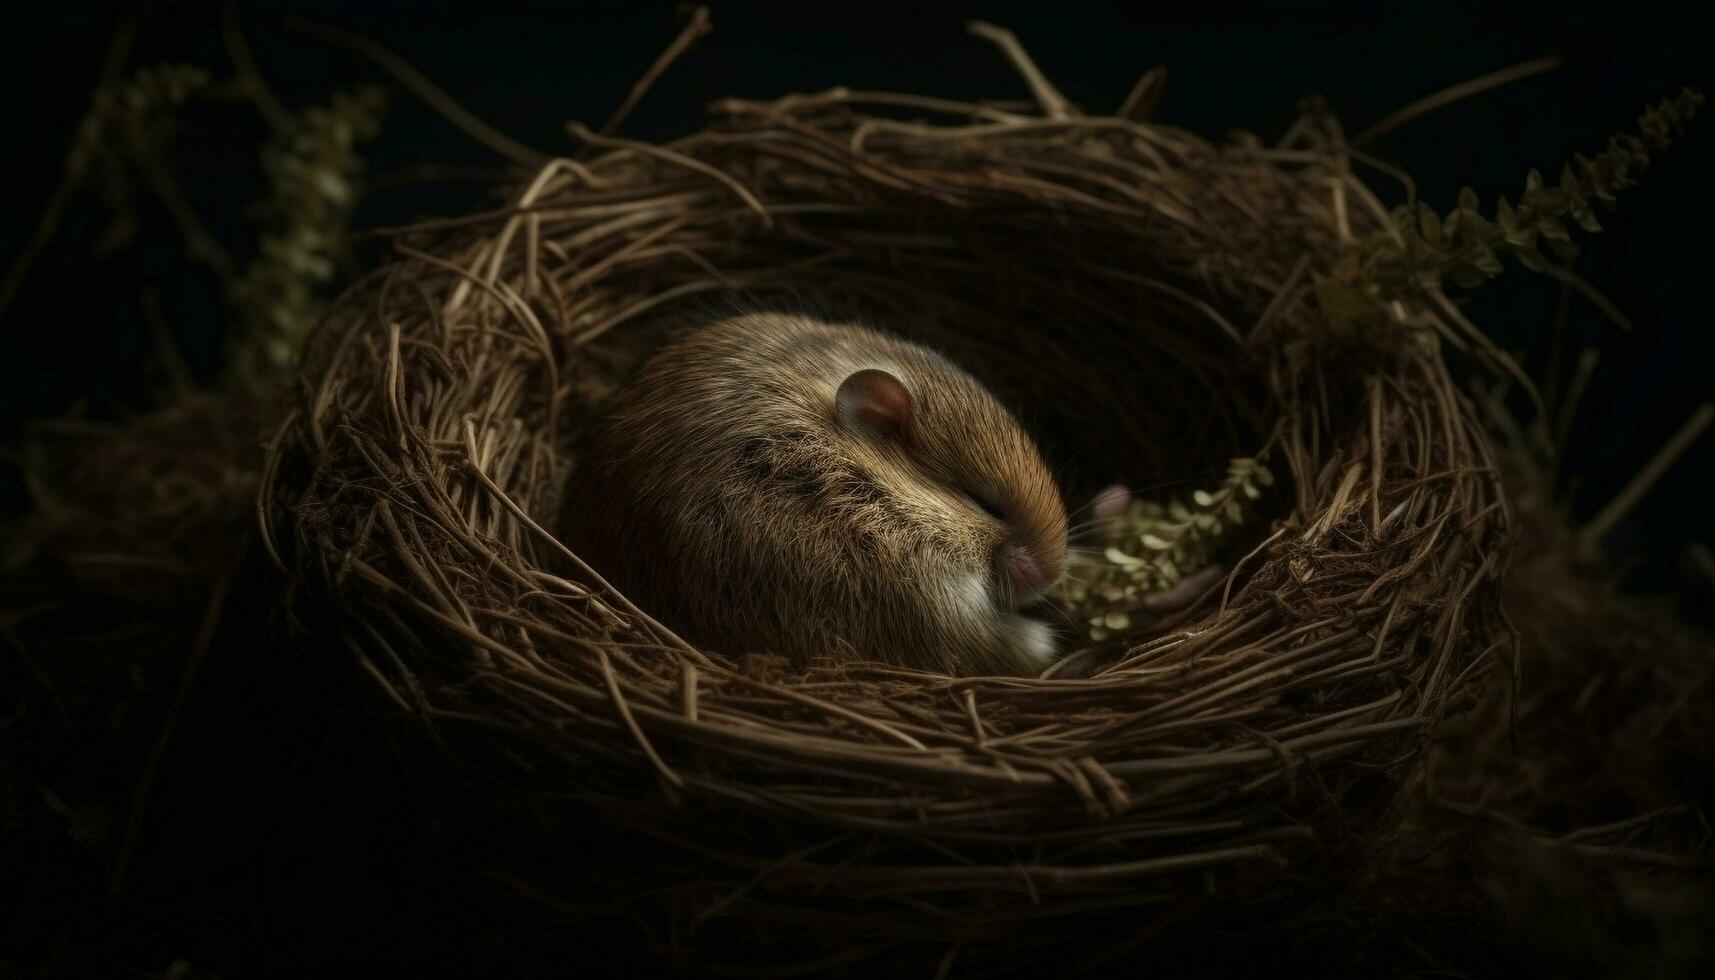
(1070, 515)
(1064, 617)
(1090, 525)
(1076, 579)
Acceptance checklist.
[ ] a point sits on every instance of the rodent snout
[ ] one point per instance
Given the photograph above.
(1025, 580)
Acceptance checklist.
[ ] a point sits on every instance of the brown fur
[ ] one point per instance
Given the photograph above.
(722, 494)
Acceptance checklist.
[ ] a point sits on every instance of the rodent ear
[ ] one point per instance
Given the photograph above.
(875, 400)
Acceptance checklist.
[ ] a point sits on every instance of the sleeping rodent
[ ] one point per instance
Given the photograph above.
(775, 483)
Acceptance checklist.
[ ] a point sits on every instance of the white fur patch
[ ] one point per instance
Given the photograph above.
(971, 597)
(1036, 640)
(970, 593)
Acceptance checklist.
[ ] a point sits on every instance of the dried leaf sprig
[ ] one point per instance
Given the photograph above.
(1423, 249)
(1154, 544)
(311, 163)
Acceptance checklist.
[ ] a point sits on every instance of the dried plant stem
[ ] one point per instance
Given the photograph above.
(1591, 535)
(419, 85)
(249, 75)
(698, 26)
(162, 332)
(41, 233)
(1582, 287)
(1582, 374)
(1456, 93)
(200, 243)
(1053, 104)
(163, 740)
(70, 179)
(1145, 95)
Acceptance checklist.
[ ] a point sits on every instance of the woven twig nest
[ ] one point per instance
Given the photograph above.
(1145, 299)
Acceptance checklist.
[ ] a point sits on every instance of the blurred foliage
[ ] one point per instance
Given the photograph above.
(130, 130)
(312, 166)
(314, 171)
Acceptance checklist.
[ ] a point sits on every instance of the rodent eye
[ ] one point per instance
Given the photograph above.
(986, 505)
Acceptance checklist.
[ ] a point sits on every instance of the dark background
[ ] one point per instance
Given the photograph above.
(77, 331)
(277, 807)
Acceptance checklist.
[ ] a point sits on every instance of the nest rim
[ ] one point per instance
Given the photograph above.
(380, 498)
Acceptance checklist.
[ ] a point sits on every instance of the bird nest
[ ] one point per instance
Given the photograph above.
(1148, 301)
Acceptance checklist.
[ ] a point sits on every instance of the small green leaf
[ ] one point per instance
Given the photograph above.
(1122, 559)
(1430, 223)
(1531, 259)
(1342, 304)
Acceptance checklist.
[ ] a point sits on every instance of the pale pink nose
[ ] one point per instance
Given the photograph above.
(1025, 579)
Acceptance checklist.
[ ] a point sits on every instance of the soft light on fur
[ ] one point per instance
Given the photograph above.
(724, 493)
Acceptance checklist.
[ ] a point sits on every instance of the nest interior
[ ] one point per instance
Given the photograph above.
(1146, 299)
